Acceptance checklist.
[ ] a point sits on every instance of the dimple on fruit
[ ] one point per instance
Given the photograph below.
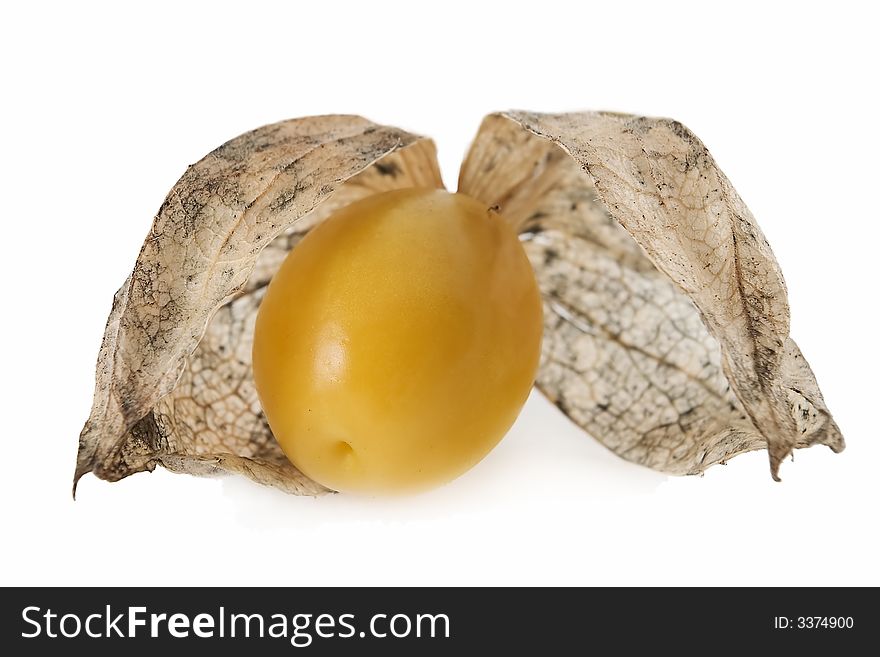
(398, 341)
(401, 324)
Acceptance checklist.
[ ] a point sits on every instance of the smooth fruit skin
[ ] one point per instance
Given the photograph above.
(398, 342)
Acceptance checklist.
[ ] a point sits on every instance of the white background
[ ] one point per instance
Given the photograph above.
(104, 106)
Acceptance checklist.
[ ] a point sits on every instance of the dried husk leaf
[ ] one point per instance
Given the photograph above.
(174, 383)
(666, 314)
(667, 318)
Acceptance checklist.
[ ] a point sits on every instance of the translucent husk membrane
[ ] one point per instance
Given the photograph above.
(666, 314)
